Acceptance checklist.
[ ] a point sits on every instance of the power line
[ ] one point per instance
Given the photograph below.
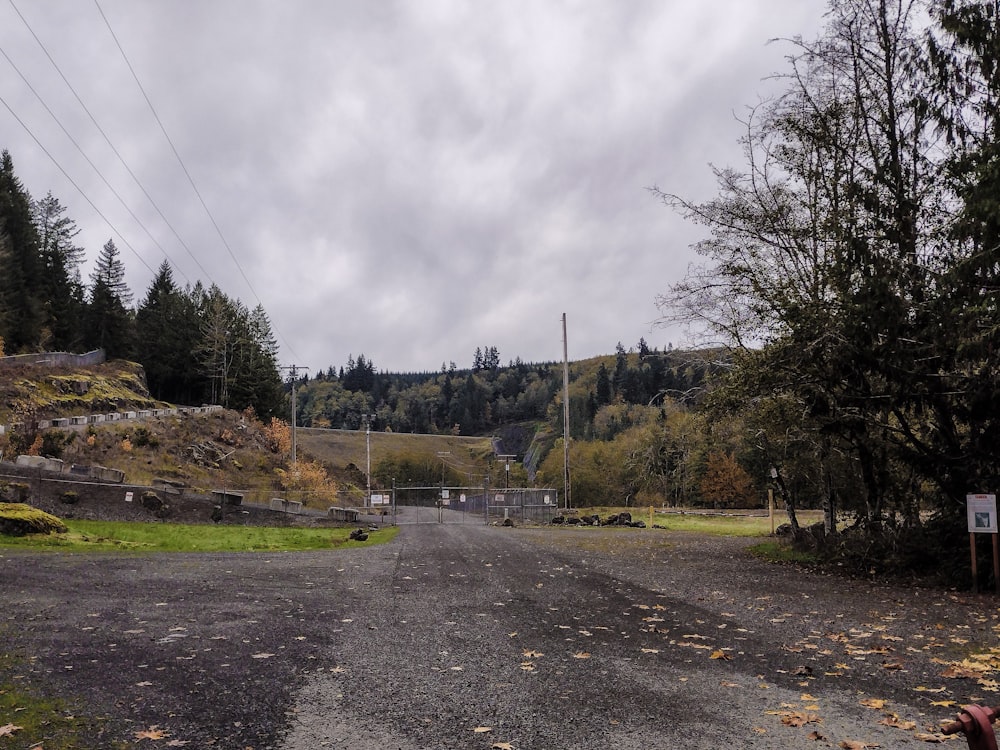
(184, 168)
(89, 161)
(73, 183)
(107, 140)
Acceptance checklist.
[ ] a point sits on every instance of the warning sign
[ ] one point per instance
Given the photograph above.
(982, 510)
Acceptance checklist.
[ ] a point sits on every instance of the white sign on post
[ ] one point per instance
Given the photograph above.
(982, 510)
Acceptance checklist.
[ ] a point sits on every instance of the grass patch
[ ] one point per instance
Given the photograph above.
(106, 536)
(715, 525)
(781, 552)
(40, 721)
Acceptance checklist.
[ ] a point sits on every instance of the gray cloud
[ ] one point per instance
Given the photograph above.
(409, 180)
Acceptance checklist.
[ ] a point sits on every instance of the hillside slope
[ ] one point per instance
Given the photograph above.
(31, 392)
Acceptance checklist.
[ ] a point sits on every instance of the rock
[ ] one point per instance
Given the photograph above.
(359, 535)
(558, 519)
(216, 513)
(151, 501)
(573, 520)
(508, 522)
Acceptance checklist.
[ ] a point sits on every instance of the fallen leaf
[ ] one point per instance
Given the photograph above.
(798, 719)
(501, 746)
(581, 655)
(922, 689)
(153, 733)
(855, 745)
(728, 684)
(262, 655)
(926, 737)
(877, 703)
(955, 672)
(720, 654)
(815, 736)
(943, 704)
(529, 654)
(893, 721)
(178, 743)
(9, 729)
(651, 651)
(481, 730)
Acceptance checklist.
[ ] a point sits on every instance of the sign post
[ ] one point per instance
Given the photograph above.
(982, 517)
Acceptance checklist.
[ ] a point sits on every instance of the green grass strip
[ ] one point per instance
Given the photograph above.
(107, 536)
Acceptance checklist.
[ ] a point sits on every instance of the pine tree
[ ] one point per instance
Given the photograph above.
(22, 314)
(166, 323)
(61, 286)
(110, 323)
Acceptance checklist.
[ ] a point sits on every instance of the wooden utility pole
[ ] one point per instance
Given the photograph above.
(566, 498)
(293, 373)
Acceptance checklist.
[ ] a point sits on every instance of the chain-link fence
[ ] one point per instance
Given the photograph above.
(439, 504)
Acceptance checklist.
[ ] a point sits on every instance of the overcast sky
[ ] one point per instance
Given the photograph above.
(407, 180)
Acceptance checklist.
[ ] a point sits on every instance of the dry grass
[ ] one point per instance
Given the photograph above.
(343, 447)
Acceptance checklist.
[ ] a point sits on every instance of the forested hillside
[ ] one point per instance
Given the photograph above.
(197, 345)
(617, 402)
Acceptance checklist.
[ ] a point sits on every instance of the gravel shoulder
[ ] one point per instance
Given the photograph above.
(570, 638)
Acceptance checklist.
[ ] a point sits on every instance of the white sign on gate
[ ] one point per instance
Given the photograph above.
(461, 498)
(982, 510)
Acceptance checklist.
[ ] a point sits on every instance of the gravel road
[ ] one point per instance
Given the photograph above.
(466, 636)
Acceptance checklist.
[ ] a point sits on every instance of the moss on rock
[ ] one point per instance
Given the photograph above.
(18, 519)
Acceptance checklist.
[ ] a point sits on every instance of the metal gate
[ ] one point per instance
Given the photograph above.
(458, 505)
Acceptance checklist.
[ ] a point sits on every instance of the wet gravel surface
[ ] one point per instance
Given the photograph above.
(537, 638)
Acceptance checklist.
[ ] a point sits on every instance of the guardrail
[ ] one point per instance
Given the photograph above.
(115, 416)
(56, 359)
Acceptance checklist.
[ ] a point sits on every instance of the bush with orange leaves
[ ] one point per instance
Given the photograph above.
(308, 482)
(277, 433)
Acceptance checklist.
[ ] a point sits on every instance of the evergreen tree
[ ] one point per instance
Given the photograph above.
(166, 324)
(603, 393)
(22, 313)
(61, 288)
(110, 323)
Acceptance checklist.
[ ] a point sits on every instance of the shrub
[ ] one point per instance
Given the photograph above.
(142, 438)
(69, 497)
(54, 442)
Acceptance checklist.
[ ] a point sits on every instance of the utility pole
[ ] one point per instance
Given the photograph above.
(293, 374)
(507, 458)
(442, 455)
(368, 453)
(565, 415)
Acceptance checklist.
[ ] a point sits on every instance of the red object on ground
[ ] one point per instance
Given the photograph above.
(976, 723)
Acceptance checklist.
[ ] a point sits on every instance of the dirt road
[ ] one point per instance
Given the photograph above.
(479, 637)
